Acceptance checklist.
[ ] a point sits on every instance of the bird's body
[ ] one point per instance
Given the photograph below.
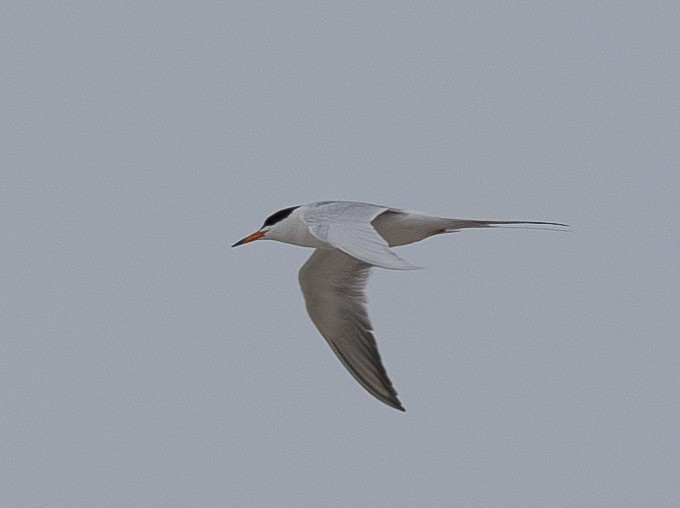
(350, 238)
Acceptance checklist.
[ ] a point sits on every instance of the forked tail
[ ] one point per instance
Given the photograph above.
(453, 225)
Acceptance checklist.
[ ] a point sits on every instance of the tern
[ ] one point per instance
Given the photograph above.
(349, 239)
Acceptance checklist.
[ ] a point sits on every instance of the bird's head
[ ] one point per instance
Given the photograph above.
(273, 223)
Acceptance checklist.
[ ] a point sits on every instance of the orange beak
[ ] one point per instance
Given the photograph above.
(250, 238)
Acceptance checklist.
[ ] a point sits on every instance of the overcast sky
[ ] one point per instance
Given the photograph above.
(144, 363)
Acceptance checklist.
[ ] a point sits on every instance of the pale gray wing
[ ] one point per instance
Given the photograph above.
(347, 226)
(333, 285)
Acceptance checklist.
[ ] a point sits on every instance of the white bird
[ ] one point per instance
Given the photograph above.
(350, 238)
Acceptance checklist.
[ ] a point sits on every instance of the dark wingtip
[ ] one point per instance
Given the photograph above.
(395, 403)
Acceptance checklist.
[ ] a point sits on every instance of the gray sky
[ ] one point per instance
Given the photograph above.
(144, 363)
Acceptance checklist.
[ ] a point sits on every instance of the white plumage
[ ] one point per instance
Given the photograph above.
(350, 238)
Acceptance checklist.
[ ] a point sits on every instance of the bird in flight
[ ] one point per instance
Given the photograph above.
(349, 239)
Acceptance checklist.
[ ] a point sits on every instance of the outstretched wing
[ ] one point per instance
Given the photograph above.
(347, 227)
(333, 285)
